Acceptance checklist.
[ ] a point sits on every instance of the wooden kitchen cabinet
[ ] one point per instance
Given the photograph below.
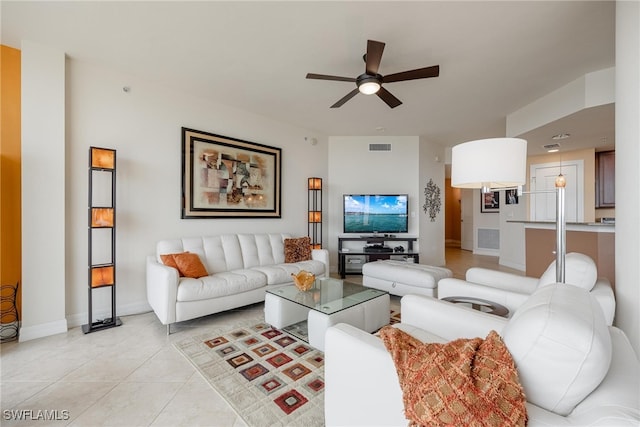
(606, 179)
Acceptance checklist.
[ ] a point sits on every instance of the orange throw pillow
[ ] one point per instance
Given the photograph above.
(296, 250)
(169, 261)
(187, 264)
(466, 382)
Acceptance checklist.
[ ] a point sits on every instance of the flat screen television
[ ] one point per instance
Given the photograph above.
(375, 213)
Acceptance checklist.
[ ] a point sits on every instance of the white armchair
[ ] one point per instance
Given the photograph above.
(575, 370)
(512, 290)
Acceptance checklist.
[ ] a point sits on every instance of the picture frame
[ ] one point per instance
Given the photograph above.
(490, 202)
(224, 177)
(511, 197)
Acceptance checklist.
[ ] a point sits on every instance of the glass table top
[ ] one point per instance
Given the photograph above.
(328, 295)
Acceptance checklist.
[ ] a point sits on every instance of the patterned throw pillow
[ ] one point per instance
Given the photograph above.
(298, 249)
(466, 382)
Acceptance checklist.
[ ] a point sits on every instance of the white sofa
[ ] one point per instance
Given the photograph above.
(241, 268)
(511, 290)
(575, 370)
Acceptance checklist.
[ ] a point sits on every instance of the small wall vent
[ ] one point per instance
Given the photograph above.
(488, 238)
(379, 147)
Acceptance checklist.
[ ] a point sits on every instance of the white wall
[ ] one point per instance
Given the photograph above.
(627, 171)
(144, 126)
(512, 235)
(355, 169)
(432, 160)
(43, 192)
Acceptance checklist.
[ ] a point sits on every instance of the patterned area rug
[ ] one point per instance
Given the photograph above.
(270, 378)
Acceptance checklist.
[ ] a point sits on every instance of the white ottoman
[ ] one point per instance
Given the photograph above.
(403, 278)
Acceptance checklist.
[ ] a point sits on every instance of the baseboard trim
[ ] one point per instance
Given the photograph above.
(514, 265)
(79, 319)
(42, 330)
(488, 252)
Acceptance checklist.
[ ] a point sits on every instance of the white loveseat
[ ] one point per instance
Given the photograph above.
(240, 267)
(511, 290)
(574, 369)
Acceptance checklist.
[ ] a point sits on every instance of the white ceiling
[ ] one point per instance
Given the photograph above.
(494, 57)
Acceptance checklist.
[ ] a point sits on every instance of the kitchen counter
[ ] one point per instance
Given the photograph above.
(597, 227)
(594, 239)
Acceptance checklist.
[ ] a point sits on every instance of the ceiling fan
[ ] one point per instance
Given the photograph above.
(371, 82)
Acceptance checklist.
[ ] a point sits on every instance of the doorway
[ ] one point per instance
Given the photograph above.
(543, 205)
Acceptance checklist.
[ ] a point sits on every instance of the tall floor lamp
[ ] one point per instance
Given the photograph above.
(501, 163)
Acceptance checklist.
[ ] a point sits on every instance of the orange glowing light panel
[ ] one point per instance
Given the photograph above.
(102, 158)
(102, 217)
(315, 183)
(101, 276)
(315, 216)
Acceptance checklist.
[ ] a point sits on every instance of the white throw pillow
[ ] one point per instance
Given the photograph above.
(580, 271)
(561, 345)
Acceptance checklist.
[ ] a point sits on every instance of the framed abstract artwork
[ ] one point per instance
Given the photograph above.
(224, 177)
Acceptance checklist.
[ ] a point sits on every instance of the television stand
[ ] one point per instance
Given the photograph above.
(380, 251)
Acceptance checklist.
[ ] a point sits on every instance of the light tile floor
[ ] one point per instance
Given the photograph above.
(130, 375)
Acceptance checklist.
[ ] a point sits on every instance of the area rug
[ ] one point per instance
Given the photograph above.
(269, 377)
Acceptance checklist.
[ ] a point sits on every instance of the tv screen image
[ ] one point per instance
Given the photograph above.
(375, 213)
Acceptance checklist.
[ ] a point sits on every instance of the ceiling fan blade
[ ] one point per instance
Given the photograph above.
(346, 98)
(325, 77)
(373, 57)
(387, 97)
(420, 73)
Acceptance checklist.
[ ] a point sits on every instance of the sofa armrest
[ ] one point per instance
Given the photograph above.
(162, 290)
(460, 288)
(323, 256)
(603, 292)
(361, 382)
(502, 280)
(450, 321)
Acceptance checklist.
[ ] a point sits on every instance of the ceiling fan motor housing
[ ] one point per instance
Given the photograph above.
(369, 80)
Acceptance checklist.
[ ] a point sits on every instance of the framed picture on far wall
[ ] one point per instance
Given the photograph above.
(511, 197)
(490, 202)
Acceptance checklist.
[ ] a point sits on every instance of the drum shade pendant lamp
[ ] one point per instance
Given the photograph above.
(500, 163)
(489, 163)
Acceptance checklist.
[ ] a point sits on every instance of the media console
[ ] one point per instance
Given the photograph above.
(372, 249)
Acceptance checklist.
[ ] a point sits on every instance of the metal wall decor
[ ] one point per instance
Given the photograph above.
(432, 201)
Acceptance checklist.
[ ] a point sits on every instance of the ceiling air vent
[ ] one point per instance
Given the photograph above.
(379, 147)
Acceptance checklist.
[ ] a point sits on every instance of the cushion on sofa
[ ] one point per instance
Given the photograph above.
(580, 271)
(219, 285)
(297, 249)
(561, 345)
(462, 382)
(187, 264)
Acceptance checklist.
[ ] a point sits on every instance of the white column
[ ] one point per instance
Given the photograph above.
(628, 169)
(43, 192)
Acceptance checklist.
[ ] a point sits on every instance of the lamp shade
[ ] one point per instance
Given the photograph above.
(492, 163)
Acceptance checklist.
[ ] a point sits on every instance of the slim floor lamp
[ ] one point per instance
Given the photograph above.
(501, 163)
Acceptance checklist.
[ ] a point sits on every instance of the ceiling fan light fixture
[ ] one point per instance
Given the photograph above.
(369, 86)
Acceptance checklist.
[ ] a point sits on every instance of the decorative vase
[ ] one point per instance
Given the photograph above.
(303, 280)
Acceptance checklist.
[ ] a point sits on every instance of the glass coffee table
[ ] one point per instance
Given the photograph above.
(480, 305)
(328, 302)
